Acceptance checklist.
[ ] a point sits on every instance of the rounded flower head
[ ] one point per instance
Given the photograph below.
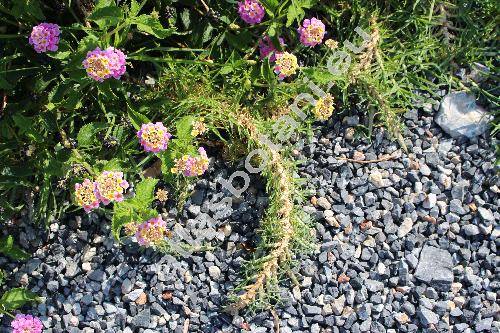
(311, 32)
(26, 324)
(110, 186)
(286, 65)
(332, 44)
(191, 166)
(151, 232)
(45, 37)
(324, 107)
(251, 11)
(103, 64)
(130, 228)
(154, 137)
(199, 127)
(161, 195)
(267, 48)
(85, 195)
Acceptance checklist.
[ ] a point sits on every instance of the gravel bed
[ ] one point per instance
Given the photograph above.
(408, 244)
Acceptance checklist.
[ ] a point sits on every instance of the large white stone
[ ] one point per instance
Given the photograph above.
(459, 115)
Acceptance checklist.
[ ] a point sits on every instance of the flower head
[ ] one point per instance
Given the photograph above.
(130, 228)
(103, 64)
(191, 166)
(26, 324)
(161, 195)
(151, 231)
(324, 107)
(199, 127)
(331, 44)
(154, 137)
(251, 11)
(286, 65)
(110, 186)
(45, 37)
(267, 48)
(311, 32)
(85, 195)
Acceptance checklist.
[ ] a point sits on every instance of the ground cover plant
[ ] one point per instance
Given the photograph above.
(114, 108)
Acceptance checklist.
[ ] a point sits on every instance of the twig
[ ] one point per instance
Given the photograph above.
(185, 329)
(382, 159)
(205, 5)
(293, 278)
(276, 321)
(4, 102)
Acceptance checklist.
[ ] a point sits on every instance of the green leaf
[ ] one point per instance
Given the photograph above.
(145, 191)
(152, 26)
(184, 127)
(167, 162)
(87, 134)
(8, 248)
(135, 8)
(106, 16)
(137, 119)
(27, 7)
(271, 5)
(4, 84)
(113, 165)
(296, 11)
(87, 43)
(122, 214)
(15, 298)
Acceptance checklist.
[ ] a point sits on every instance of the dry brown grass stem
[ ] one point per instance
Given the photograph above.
(284, 193)
(371, 48)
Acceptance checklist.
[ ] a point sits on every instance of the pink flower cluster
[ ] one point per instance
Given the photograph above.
(45, 37)
(191, 166)
(151, 232)
(251, 11)
(286, 65)
(311, 32)
(108, 187)
(85, 195)
(104, 64)
(267, 48)
(26, 324)
(154, 137)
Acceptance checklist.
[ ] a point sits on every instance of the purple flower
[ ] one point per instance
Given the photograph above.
(45, 37)
(154, 137)
(26, 324)
(103, 64)
(191, 166)
(266, 48)
(311, 32)
(251, 11)
(151, 232)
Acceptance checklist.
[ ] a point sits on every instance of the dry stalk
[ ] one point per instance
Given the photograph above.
(446, 25)
(284, 192)
(382, 159)
(371, 49)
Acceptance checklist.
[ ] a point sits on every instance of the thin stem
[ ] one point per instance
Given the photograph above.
(7, 313)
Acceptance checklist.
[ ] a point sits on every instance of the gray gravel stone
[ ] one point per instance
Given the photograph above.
(435, 267)
(470, 230)
(427, 317)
